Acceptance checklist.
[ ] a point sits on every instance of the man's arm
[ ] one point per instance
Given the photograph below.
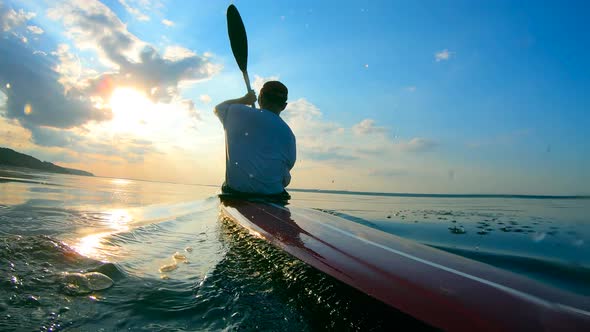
(286, 179)
(292, 153)
(292, 156)
(247, 99)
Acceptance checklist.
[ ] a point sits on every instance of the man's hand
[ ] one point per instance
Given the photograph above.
(249, 98)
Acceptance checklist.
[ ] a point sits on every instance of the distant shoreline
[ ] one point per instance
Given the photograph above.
(11, 158)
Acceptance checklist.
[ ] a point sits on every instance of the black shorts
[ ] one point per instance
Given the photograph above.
(229, 193)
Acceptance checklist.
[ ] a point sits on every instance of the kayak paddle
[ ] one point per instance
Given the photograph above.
(239, 42)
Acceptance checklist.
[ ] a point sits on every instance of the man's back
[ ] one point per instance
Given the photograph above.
(260, 149)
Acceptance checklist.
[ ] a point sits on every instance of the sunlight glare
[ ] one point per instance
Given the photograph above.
(136, 117)
(120, 182)
(93, 245)
(129, 108)
(89, 245)
(118, 219)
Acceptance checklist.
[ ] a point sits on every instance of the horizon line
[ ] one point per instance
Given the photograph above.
(391, 194)
(368, 193)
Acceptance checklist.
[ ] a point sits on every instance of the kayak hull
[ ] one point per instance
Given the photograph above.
(442, 289)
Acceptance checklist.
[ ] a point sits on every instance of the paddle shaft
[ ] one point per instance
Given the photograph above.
(247, 80)
(239, 43)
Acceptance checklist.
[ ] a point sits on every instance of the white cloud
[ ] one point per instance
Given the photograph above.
(133, 62)
(167, 23)
(205, 99)
(134, 11)
(11, 18)
(331, 156)
(69, 66)
(316, 139)
(34, 82)
(191, 109)
(443, 55)
(306, 118)
(367, 127)
(176, 53)
(93, 26)
(417, 144)
(322, 140)
(411, 88)
(66, 99)
(259, 81)
(35, 30)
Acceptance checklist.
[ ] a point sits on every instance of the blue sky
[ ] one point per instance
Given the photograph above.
(429, 96)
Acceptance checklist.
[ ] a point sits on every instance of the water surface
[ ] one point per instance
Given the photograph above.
(177, 264)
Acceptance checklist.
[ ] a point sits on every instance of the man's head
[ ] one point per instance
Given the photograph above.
(273, 96)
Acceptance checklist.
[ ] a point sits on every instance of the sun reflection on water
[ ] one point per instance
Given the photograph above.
(120, 182)
(94, 245)
(119, 219)
(90, 245)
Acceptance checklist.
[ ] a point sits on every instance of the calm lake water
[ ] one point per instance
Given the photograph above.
(177, 265)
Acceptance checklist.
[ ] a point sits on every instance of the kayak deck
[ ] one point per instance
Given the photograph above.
(442, 289)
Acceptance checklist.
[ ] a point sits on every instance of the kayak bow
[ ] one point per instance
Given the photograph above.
(442, 289)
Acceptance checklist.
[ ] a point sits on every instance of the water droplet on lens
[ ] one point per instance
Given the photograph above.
(539, 236)
(168, 268)
(179, 257)
(98, 281)
(28, 109)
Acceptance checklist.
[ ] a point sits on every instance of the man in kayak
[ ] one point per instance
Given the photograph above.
(260, 146)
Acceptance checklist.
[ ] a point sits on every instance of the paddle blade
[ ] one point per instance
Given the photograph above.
(237, 37)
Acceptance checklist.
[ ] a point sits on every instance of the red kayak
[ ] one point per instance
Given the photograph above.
(444, 290)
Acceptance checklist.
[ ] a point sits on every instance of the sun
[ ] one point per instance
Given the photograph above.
(135, 116)
(130, 110)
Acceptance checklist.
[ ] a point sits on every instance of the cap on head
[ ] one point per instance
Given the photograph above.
(275, 91)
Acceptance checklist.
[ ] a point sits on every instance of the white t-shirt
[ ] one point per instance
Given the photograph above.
(260, 149)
